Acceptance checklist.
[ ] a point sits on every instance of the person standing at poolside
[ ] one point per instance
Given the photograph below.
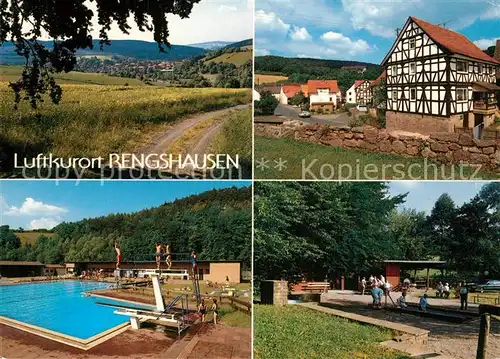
(168, 259)
(215, 308)
(423, 303)
(202, 309)
(118, 255)
(158, 255)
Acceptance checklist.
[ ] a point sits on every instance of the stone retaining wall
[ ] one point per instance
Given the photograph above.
(443, 147)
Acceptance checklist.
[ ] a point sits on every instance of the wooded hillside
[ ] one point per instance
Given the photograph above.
(216, 224)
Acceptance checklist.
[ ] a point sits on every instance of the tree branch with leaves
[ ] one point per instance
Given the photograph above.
(69, 24)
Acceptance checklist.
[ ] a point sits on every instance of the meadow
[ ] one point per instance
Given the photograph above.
(348, 164)
(96, 120)
(296, 332)
(236, 58)
(262, 79)
(12, 73)
(31, 237)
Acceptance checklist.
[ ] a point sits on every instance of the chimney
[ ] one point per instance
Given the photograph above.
(496, 55)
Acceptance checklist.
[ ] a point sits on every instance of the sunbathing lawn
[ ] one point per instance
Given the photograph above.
(349, 164)
(297, 332)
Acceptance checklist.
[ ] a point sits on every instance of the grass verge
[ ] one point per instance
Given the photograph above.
(296, 332)
(312, 161)
(235, 138)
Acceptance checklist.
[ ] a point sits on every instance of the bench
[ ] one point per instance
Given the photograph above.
(321, 287)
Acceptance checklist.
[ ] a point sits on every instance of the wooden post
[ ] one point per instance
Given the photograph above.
(484, 331)
(342, 279)
(427, 283)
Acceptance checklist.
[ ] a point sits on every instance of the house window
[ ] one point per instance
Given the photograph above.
(413, 94)
(394, 70)
(480, 68)
(413, 43)
(394, 94)
(461, 94)
(413, 68)
(461, 66)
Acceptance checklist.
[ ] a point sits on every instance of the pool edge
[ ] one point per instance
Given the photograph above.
(83, 344)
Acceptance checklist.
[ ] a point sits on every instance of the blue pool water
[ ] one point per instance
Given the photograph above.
(61, 306)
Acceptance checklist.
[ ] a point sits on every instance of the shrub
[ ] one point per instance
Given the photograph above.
(348, 106)
(320, 110)
(266, 105)
(357, 121)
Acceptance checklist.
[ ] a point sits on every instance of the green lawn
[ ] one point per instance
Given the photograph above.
(312, 161)
(296, 332)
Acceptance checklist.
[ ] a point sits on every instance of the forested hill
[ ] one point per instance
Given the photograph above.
(140, 50)
(300, 70)
(216, 224)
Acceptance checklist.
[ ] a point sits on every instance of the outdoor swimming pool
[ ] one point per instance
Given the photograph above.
(61, 307)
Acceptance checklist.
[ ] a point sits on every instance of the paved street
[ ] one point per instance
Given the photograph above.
(293, 114)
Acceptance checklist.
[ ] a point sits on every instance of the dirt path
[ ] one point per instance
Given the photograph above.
(162, 142)
(204, 142)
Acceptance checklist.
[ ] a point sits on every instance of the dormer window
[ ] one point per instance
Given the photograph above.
(413, 43)
(461, 66)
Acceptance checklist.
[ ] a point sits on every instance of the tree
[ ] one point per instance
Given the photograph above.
(69, 24)
(299, 99)
(439, 224)
(266, 105)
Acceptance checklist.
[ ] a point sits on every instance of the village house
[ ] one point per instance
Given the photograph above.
(355, 68)
(438, 81)
(288, 91)
(323, 94)
(360, 93)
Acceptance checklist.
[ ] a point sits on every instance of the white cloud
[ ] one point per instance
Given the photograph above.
(31, 207)
(300, 34)
(485, 43)
(227, 8)
(341, 43)
(407, 184)
(269, 22)
(214, 17)
(44, 223)
(262, 52)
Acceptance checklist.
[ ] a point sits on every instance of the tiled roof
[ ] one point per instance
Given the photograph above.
(291, 90)
(452, 41)
(305, 90)
(314, 85)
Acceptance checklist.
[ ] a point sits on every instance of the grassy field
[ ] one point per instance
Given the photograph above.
(12, 73)
(326, 162)
(94, 120)
(31, 237)
(268, 79)
(236, 58)
(235, 137)
(297, 332)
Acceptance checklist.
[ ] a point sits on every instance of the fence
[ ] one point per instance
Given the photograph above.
(478, 299)
(487, 312)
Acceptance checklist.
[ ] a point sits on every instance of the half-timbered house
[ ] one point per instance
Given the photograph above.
(438, 81)
(360, 93)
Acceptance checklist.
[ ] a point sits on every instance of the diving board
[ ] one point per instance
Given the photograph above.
(163, 313)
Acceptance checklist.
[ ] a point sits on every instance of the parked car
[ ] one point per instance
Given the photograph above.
(491, 285)
(304, 114)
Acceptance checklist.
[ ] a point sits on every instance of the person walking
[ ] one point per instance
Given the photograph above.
(464, 293)
(363, 286)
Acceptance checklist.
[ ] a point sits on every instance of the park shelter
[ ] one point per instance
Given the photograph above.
(13, 269)
(54, 269)
(393, 269)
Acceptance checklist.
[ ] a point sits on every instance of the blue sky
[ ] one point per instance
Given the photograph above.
(44, 204)
(362, 30)
(423, 195)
